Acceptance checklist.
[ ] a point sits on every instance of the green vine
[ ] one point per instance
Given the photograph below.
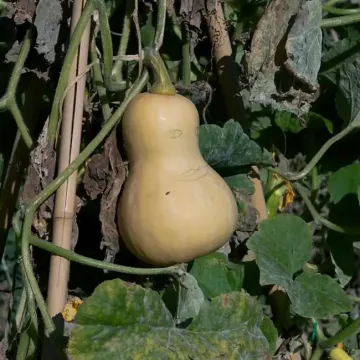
(340, 21)
(8, 101)
(30, 208)
(308, 168)
(318, 218)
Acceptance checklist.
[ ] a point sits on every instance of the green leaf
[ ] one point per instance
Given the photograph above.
(127, 322)
(345, 181)
(216, 275)
(316, 121)
(288, 122)
(348, 95)
(240, 182)
(282, 247)
(319, 296)
(270, 332)
(190, 300)
(342, 52)
(229, 147)
(147, 31)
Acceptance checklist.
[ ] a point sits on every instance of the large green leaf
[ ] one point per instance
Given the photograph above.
(345, 181)
(348, 95)
(229, 147)
(320, 296)
(282, 246)
(216, 275)
(121, 321)
(343, 51)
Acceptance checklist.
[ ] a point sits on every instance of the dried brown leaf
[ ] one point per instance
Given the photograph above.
(96, 174)
(110, 198)
(105, 174)
(21, 11)
(40, 173)
(285, 56)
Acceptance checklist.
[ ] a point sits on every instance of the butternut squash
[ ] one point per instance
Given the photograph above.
(174, 207)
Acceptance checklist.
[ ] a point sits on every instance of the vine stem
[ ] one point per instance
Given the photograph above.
(337, 11)
(334, 2)
(317, 354)
(74, 43)
(8, 101)
(318, 218)
(29, 210)
(342, 335)
(99, 81)
(340, 21)
(125, 34)
(32, 206)
(175, 270)
(297, 176)
(186, 60)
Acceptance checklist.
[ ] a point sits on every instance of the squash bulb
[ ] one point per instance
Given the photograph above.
(174, 207)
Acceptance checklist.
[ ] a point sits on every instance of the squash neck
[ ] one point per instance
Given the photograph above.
(162, 82)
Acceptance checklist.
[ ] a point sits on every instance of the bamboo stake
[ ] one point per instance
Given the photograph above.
(230, 86)
(69, 149)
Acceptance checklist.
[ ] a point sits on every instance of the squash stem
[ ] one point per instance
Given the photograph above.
(162, 83)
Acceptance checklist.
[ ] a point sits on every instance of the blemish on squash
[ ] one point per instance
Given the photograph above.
(175, 133)
(195, 174)
(167, 193)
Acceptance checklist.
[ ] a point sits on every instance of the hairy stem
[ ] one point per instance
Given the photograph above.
(337, 11)
(24, 131)
(342, 335)
(317, 354)
(8, 101)
(340, 21)
(186, 60)
(125, 34)
(32, 206)
(297, 176)
(99, 81)
(160, 26)
(318, 218)
(73, 256)
(63, 79)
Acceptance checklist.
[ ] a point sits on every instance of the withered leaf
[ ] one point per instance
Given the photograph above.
(105, 174)
(21, 11)
(110, 198)
(96, 174)
(191, 12)
(47, 22)
(40, 173)
(285, 56)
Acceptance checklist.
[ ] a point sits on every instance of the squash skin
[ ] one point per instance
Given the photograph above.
(174, 207)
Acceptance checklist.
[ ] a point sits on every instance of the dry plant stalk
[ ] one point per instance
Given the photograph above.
(230, 86)
(69, 149)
